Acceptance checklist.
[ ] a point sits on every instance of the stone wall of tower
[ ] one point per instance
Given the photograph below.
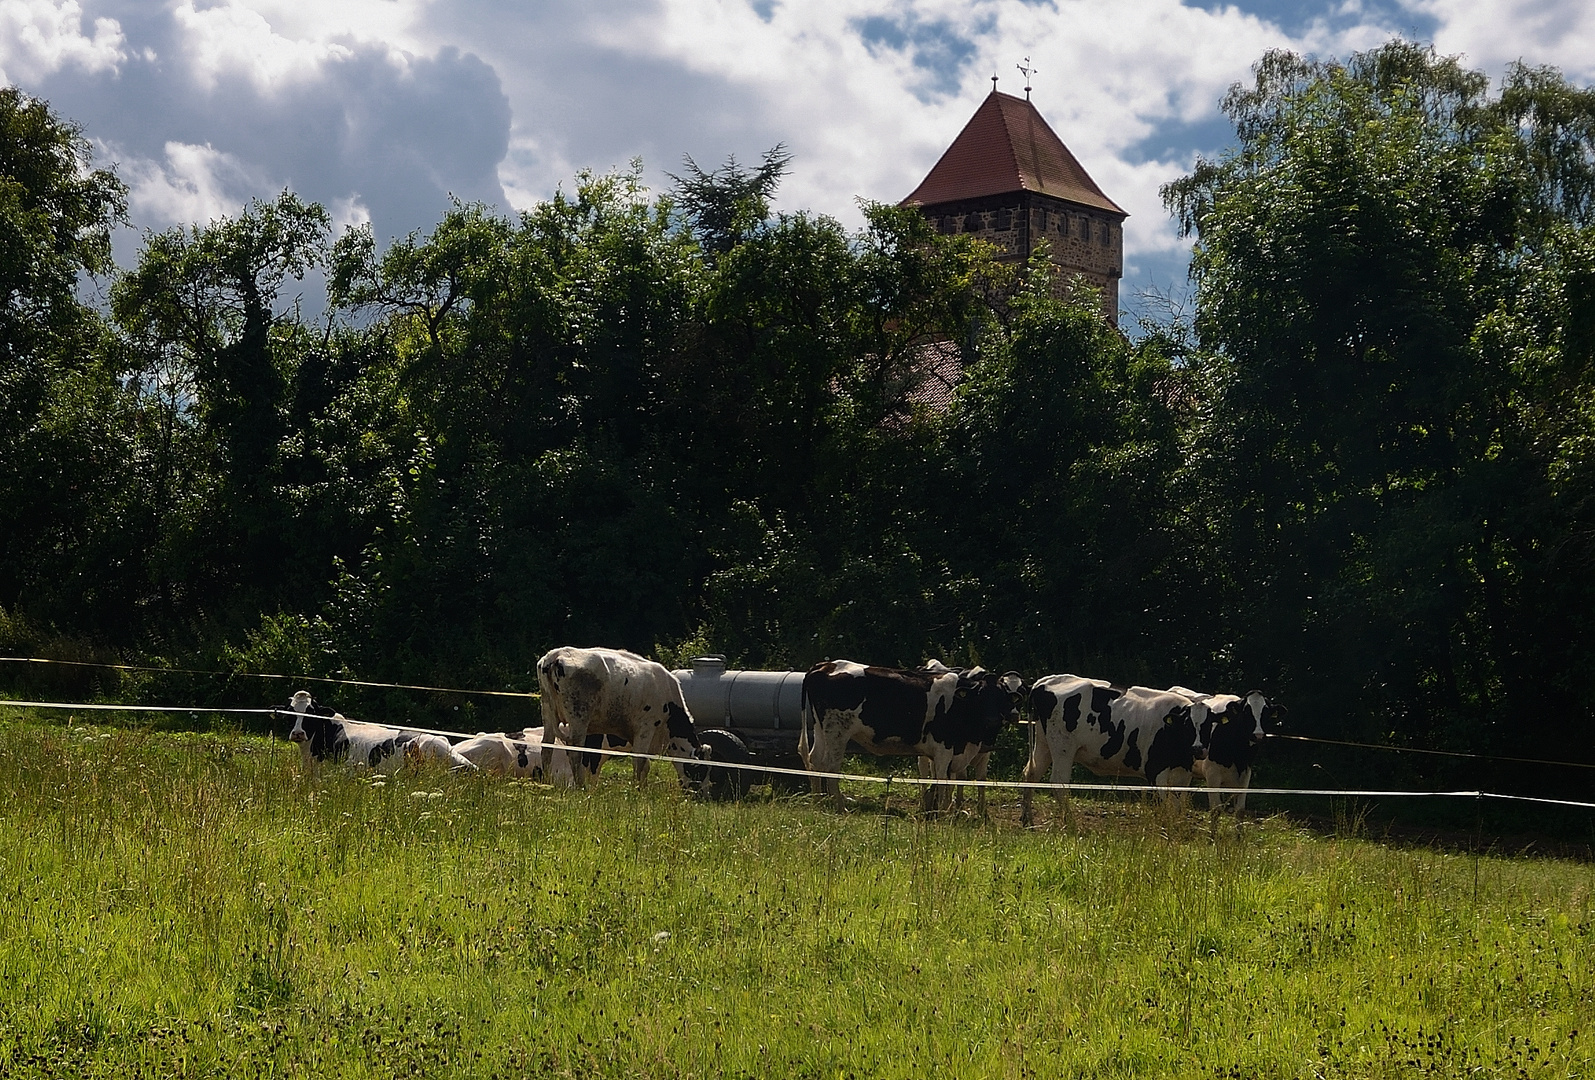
(1081, 240)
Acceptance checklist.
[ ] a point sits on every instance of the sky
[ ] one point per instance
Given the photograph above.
(384, 109)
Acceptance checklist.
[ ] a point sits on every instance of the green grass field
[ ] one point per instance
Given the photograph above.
(189, 905)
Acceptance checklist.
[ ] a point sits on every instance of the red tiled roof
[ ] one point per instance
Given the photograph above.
(1007, 147)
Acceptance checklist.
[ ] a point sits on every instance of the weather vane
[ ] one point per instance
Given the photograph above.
(1024, 69)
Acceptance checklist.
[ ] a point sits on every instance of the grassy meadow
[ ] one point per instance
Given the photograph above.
(189, 905)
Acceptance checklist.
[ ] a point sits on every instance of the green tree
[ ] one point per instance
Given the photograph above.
(59, 433)
(1370, 473)
(211, 335)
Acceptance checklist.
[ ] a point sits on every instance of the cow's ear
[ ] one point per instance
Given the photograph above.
(1013, 682)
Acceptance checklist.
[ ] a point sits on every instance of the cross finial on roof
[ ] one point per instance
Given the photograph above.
(1026, 70)
(993, 82)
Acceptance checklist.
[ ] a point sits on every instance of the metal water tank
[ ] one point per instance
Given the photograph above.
(769, 700)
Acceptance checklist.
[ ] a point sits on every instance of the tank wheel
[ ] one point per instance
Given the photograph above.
(725, 783)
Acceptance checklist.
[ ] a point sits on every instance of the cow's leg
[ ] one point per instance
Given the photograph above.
(573, 736)
(1035, 770)
(982, 760)
(936, 794)
(825, 756)
(1240, 796)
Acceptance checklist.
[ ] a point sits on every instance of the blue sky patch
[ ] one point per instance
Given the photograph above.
(935, 47)
(1294, 18)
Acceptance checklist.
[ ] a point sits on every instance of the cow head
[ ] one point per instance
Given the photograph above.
(1231, 727)
(989, 699)
(682, 739)
(1260, 711)
(316, 727)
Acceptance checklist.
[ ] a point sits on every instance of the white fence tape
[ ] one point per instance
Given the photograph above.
(1019, 785)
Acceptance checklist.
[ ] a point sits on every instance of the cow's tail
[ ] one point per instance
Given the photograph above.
(806, 711)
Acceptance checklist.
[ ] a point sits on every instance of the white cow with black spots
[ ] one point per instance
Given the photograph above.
(1113, 731)
(323, 734)
(610, 692)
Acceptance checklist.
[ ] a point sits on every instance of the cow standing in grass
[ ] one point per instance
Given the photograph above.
(1113, 731)
(323, 734)
(935, 713)
(980, 726)
(1231, 729)
(614, 693)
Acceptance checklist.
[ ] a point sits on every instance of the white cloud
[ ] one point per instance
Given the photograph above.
(1493, 33)
(232, 40)
(406, 101)
(40, 37)
(190, 184)
(347, 213)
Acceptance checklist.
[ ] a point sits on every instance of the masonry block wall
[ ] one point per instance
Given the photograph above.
(1081, 241)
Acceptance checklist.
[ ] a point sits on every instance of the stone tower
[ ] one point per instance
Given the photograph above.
(1009, 180)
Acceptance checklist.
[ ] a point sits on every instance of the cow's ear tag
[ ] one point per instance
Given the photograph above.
(963, 693)
(1225, 720)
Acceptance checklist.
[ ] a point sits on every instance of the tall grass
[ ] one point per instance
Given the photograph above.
(190, 905)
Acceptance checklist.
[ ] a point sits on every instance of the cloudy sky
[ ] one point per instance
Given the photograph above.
(382, 108)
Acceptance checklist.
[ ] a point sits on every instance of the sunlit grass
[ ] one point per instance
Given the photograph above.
(181, 904)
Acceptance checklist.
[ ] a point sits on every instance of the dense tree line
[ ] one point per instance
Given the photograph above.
(1361, 475)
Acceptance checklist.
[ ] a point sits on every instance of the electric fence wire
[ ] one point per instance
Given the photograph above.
(865, 778)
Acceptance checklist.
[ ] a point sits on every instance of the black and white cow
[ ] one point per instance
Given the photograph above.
(937, 714)
(610, 692)
(975, 756)
(1231, 728)
(323, 734)
(1113, 731)
(520, 754)
(506, 754)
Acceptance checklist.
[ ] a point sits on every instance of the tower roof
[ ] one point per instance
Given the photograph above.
(1007, 147)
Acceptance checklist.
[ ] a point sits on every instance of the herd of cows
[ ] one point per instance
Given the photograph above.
(950, 718)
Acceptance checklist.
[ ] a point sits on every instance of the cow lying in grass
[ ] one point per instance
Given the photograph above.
(323, 734)
(520, 754)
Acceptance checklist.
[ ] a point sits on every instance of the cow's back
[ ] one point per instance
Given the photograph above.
(615, 693)
(884, 710)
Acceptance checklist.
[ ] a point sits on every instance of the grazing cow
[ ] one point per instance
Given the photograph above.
(936, 713)
(326, 735)
(610, 692)
(1140, 732)
(1231, 727)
